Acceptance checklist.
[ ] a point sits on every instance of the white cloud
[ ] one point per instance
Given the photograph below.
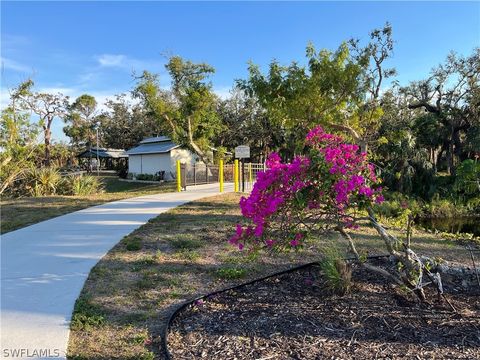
(110, 60)
(10, 64)
(125, 62)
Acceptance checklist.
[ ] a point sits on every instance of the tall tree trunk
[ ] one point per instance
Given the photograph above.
(450, 164)
(48, 135)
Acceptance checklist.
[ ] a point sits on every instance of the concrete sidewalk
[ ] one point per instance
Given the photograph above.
(44, 267)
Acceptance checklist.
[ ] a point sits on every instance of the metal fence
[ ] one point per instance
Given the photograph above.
(198, 174)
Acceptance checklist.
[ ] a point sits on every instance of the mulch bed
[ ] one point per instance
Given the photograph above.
(292, 317)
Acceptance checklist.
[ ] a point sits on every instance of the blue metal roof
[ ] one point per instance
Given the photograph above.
(155, 139)
(153, 148)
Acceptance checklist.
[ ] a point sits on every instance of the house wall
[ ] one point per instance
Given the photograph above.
(149, 163)
(135, 164)
(153, 163)
(184, 155)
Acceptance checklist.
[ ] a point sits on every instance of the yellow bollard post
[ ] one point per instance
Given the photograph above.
(250, 175)
(179, 179)
(220, 174)
(236, 176)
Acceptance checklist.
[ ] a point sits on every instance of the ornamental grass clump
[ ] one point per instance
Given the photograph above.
(337, 274)
(331, 187)
(83, 185)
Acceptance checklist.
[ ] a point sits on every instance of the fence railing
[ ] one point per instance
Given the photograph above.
(198, 174)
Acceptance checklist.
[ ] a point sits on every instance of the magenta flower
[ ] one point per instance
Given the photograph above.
(334, 180)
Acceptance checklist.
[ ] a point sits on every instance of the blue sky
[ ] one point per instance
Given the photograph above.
(93, 47)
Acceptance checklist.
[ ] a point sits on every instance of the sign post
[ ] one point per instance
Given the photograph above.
(242, 152)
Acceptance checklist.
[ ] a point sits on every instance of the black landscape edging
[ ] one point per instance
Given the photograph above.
(190, 302)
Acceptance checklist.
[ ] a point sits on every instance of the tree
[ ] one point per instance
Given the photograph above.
(367, 109)
(340, 90)
(47, 107)
(81, 120)
(296, 97)
(17, 140)
(187, 112)
(124, 124)
(246, 123)
(450, 96)
(327, 188)
(402, 145)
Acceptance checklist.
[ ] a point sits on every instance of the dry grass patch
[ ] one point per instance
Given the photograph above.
(183, 253)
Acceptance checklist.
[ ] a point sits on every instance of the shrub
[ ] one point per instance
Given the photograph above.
(44, 181)
(148, 177)
(122, 169)
(336, 272)
(442, 208)
(83, 185)
(329, 188)
(467, 181)
(396, 205)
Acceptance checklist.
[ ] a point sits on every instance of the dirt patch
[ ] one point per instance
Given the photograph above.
(292, 317)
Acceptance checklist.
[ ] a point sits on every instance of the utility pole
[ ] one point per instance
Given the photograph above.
(98, 160)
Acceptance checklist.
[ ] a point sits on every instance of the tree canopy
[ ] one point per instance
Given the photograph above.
(187, 113)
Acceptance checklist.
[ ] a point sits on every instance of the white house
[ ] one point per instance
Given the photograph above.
(156, 154)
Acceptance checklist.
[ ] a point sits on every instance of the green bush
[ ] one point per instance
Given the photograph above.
(148, 177)
(467, 181)
(151, 177)
(442, 208)
(48, 181)
(82, 185)
(43, 181)
(396, 204)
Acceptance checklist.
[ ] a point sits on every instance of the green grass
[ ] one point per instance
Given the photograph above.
(21, 212)
(188, 242)
(86, 315)
(133, 244)
(231, 273)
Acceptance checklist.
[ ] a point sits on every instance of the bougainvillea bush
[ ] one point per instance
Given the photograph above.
(331, 187)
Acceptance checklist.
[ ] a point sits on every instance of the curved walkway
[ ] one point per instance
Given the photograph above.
(44, 267)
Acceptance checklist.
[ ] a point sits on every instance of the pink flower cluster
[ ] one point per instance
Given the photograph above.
(273, 188)
(334, 178)
(352, 173)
